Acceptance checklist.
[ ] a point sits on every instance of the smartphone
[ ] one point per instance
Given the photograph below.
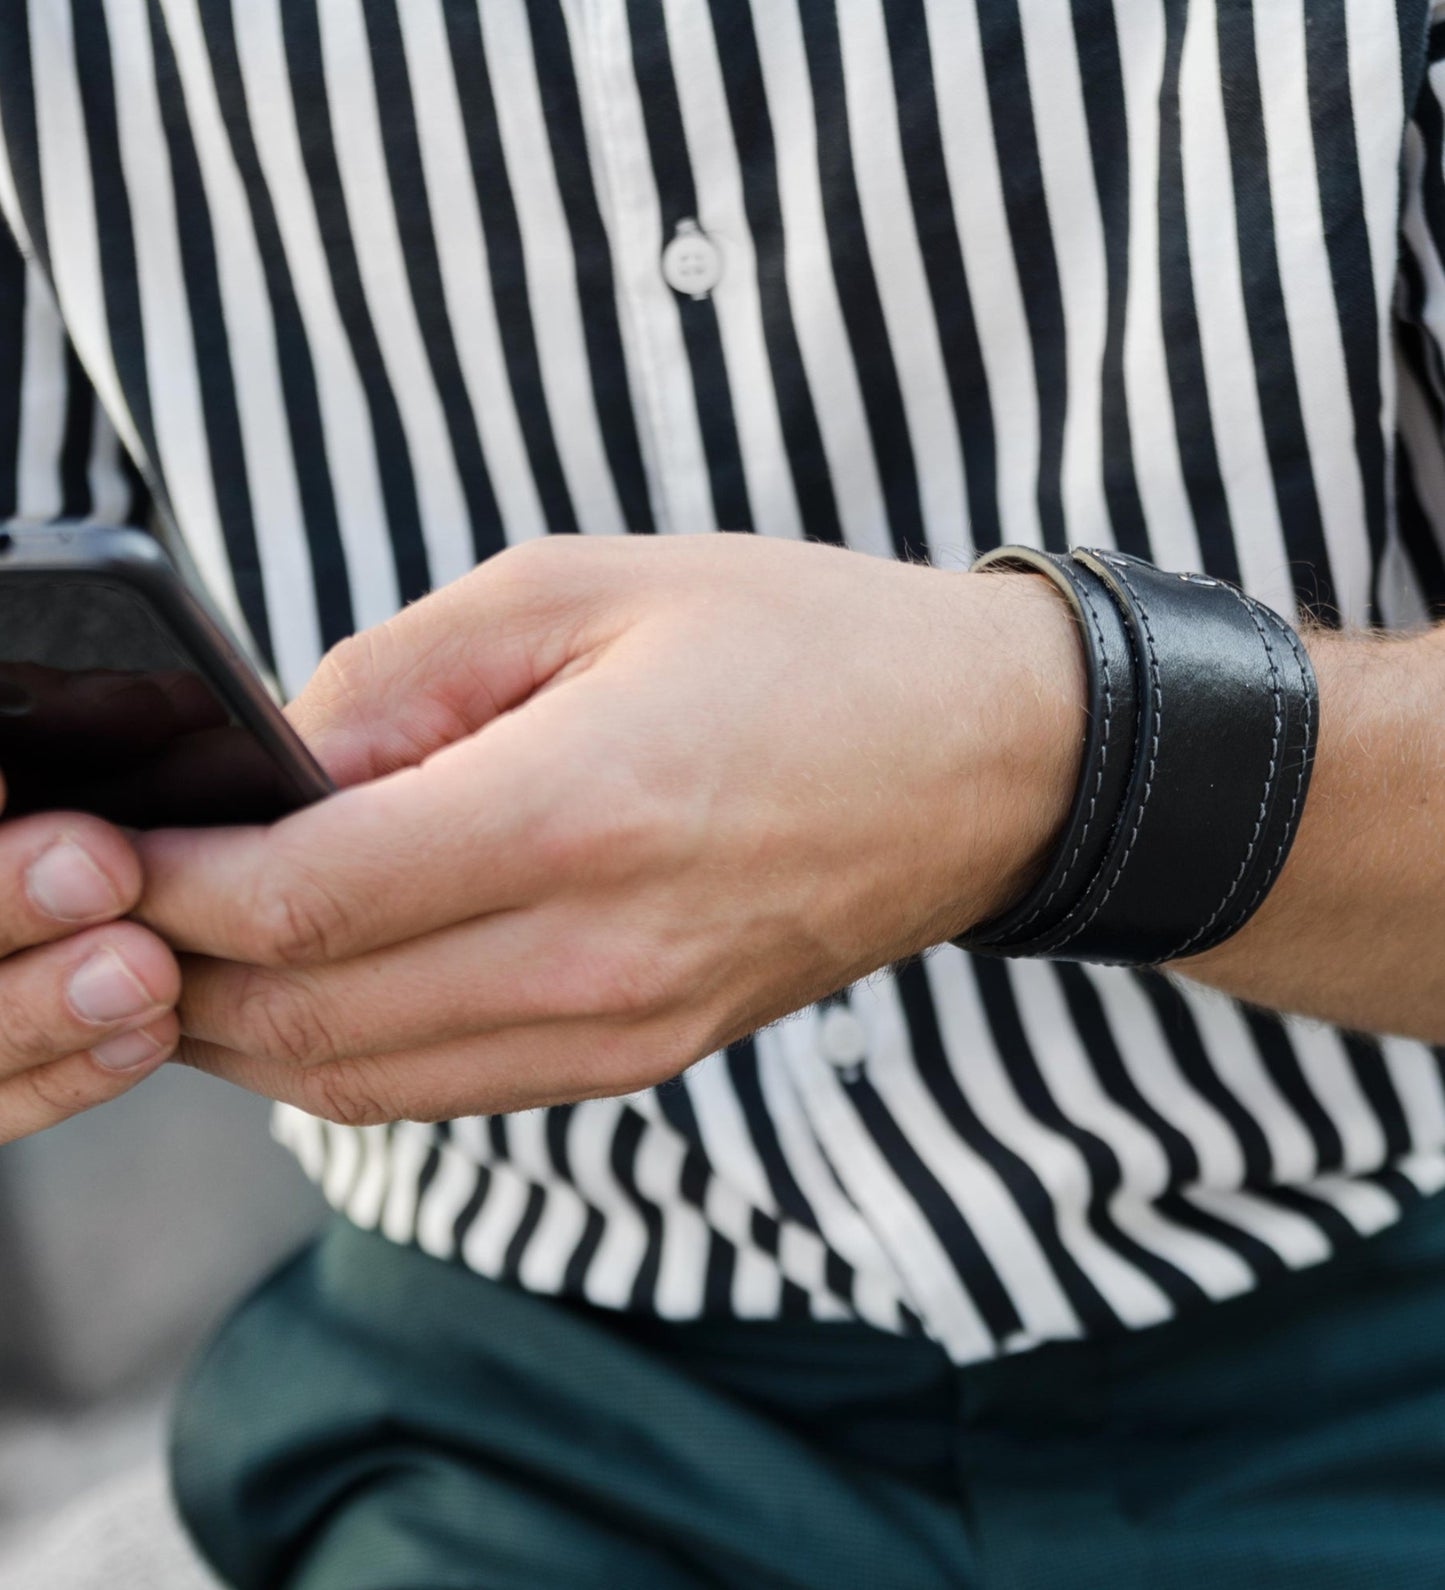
(121, 696)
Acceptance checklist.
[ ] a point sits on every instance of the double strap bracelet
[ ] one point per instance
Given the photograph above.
(1203, 721)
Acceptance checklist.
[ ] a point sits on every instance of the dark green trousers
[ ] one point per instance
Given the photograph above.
(375, 1420)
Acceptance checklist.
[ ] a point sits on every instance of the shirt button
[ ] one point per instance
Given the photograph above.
(841, 1038)
(691, 262)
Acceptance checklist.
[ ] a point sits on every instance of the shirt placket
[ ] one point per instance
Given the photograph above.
(639, 239)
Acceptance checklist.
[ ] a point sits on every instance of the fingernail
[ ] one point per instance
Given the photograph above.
(67, 885)
(124, 1053)
(105, 989)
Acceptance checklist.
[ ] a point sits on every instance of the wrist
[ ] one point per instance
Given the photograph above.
(1379, 737)
(1023, 676)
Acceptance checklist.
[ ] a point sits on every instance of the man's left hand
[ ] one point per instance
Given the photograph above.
(610, 805)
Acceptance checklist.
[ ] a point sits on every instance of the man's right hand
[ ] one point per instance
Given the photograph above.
(86, 999)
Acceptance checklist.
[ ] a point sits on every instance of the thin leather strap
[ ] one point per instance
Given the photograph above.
(1108, 755)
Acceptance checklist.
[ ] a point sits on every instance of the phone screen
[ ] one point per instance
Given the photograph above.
(103, 710)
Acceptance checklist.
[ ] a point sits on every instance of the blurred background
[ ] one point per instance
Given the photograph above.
(125, 1235)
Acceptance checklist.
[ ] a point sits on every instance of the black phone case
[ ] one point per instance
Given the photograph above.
(137, 562)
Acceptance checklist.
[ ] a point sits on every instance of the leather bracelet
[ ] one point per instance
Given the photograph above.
(1203, 722)
(1108, 758)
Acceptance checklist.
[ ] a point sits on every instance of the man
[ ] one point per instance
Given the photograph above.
(976, 1272)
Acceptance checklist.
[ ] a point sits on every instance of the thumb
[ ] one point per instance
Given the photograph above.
(389, 696)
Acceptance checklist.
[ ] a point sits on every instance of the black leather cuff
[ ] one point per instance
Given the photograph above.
(1203, 721)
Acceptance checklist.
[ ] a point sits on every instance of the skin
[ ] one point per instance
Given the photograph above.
(1354, 931)
(612, 805)
(55, 1059)
(609, 805)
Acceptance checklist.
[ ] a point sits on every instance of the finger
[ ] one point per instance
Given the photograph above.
(561, 963)
(444, 666)
(487, 825)
(521, 1069)
(84, 993)
(49, 1094)
(59, 872)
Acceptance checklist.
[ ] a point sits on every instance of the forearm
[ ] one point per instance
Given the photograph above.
(1354, 931)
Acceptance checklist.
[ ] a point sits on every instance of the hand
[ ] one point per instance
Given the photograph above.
(624, 802)
(85, 999)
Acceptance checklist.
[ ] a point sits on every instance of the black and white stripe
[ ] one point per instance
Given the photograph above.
(369, 289)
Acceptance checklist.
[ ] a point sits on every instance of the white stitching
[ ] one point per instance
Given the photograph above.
(1082, 591)
(1156, 692)
(1269, 779)
(1272, 872)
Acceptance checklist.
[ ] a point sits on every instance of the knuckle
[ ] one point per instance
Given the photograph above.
(632, 1063)
(598, 831)
(518, 578)
(526, 563)
(26, 1037)
(542, 579)
(348, 668)
(680, 1041)
(61, 1091)
(298, 919)
(282, 1020)
(626, 981)
(558, 844)
(340, 1094)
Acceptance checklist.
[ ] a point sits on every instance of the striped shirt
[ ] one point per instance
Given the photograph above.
(356, 292)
